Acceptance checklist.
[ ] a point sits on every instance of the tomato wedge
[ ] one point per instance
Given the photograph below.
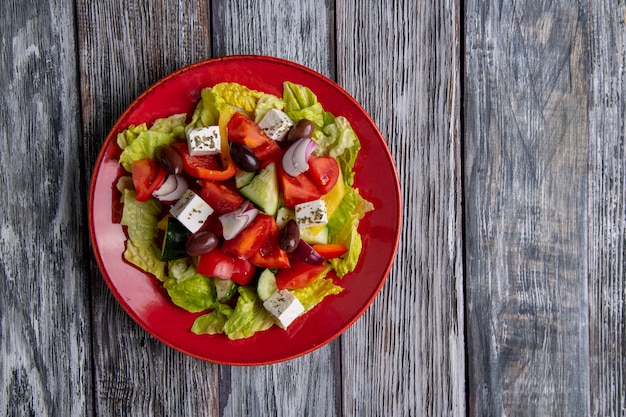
(147, 176)
(298, 189)
(250, 239)
(298, 276)
(221, 198)
(217, 264)
(245, 131)
(270, 255)
(330, 250)
(205, 167)
(324, 172)
(243, 271)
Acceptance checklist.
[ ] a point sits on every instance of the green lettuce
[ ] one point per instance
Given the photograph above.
(180, 269)
(213, 322)
(140, 218)
(265, 104)
(145, 255)
(301, 103)
(343, 228)
(341, 142)
(138, 142)
(249, 316)
(194, 294)
(316, 291)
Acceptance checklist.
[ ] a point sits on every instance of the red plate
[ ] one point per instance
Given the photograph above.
(142, 296)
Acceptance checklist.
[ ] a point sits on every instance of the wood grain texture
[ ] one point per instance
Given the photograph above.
(526, 194)
(607, 209)
(123, 50)
(400, 59)
(44, 314)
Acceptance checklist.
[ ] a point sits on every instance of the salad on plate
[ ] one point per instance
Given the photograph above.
(245, 209)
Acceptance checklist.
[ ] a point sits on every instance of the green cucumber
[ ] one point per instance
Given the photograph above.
(283, 215)
(313, 236)
(266, 285)
(174, 242)
(224, 289)
(243, 178)
(263, 190)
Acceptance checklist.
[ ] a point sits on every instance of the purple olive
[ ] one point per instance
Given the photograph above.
(290, 236)
(303, 129)
(243, 157)
(201, 242)
(169, 159)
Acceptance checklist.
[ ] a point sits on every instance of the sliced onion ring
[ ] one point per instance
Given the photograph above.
(305, 253)
(235, 221)
(297, 155)
(176, 193)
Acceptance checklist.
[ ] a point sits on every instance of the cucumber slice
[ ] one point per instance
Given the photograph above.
(263, 190)
(176, 236)
(314, 235)
(266, 285)
(283, 215)
(224, 289)
(243, 178)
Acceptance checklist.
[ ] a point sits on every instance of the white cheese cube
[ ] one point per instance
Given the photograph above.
(276, 124)
(204, 141)
(284, 306)
(191, 210)
(312, 213)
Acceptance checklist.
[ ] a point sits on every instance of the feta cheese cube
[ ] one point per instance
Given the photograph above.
(312, 213)
(204, 141)
(191, 210)
(276, 124)
(284, 306)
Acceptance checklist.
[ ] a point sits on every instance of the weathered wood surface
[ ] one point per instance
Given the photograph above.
(506, 122)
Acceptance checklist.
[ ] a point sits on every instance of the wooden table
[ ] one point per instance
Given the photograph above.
(506, 121)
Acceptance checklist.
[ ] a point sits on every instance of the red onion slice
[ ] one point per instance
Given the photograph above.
(180, 186)
(295, 159)
(235, 221)
(305, 253)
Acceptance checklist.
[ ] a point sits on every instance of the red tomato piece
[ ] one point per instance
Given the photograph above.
(221, 198)
(205, 167)
(324, 172)
(298, 276)
(148, 176)
(250, 239)
(330, 250)
(217, 264)
(245, 131)
(243, 271)
(270, 255)
(298, 189)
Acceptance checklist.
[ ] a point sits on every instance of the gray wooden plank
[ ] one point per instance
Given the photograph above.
(123, 50)
(400, 59)
(525, 177)
(607, 208)
(304, 34)
(44, 304)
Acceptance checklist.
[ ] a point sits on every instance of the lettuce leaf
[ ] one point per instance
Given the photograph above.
(138, 142)
(265, 104)
(180, 269)
(249, 316)
(140, 218)
(341, 142)
(316, 291)
(238, 95)
(301, 103)
(343, 228)
(145, 255)
(213, 322)
(194, 294)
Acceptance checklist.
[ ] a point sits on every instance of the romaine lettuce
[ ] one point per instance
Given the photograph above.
(213, 322)
(194, 294)
(249, 316)
(301, 103)
(316, 291)
(145, 255)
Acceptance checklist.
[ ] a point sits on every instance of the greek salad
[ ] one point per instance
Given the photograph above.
(244, 207)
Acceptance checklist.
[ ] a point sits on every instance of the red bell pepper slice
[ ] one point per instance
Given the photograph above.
(205, 167)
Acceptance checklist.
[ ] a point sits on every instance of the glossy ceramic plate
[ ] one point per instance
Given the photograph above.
(142, 295)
